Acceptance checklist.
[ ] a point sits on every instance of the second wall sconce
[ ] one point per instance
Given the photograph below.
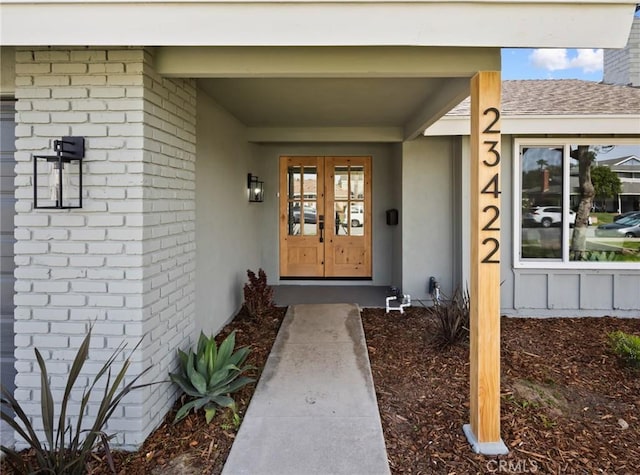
(256, 188)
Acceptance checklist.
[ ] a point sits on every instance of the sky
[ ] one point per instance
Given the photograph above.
(555, 63)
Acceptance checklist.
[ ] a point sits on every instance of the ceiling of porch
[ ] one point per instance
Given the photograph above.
(321, 102)
(380, 94)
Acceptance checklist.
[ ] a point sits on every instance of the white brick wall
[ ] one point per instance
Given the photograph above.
(622, 66)
(125, 261)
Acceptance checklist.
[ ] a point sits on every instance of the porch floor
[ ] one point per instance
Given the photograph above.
(314, 410)
(362, 295)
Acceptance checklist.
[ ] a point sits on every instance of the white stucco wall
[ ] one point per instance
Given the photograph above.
(125, 262)
(428, 216)
(396, 203)
(228, 233)
(385, 189)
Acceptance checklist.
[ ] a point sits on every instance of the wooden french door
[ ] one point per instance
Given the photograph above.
(325, 217)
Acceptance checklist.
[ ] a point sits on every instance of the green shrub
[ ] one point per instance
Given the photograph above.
(627, 347)
(209, 375)
(57, 456)
(258, 296)
(452, 318)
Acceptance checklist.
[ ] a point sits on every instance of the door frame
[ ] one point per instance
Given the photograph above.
(339, 257)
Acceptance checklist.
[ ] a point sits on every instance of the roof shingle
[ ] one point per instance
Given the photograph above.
(562, 97)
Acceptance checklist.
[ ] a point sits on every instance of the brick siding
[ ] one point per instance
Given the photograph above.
(125, 262)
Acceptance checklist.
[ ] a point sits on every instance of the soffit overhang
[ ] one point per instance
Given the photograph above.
(490, 23)
(387, 94)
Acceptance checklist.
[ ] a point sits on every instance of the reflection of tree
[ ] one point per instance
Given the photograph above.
(585, 158)
(605, 182)
(530, 179)
(542, 163)
(542, 187)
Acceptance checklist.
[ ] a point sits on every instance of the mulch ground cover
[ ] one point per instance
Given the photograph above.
(567, 404)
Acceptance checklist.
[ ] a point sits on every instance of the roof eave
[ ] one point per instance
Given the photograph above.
(600, 124)
(488, 23)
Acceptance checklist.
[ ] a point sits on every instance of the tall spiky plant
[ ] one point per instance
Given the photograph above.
(453, 319)
(57, 456)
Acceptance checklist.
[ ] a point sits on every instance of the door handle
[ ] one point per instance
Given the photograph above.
(321, 226)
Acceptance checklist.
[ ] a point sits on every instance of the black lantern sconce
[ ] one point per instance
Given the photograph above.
(57, 179)
(256, 189)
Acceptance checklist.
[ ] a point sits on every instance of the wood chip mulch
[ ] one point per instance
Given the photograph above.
(567, 404)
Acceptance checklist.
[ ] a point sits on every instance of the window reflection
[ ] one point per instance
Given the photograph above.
(614, 236)
(562, 220)
(541, 202)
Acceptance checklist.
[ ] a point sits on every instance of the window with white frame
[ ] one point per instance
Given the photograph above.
(577, 203)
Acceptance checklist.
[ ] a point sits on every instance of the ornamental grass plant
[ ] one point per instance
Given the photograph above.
(68, 443)
(453, 319)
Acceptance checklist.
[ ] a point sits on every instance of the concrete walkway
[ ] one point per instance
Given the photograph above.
(314, 410)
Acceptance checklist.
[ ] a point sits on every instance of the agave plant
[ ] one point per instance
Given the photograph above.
(57, 456)
(210, 375)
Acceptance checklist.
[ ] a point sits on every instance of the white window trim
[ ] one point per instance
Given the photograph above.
(564, 262)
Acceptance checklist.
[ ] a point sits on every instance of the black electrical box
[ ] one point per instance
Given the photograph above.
(392, 217)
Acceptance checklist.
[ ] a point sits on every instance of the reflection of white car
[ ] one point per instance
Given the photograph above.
(547, 216)
(356, 215)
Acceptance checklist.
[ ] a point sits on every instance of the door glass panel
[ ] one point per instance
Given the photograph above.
(356, 179)
(356, 218)
(341, 183)
(309, 201)
(303, 219)
(310, 187)
(294, 183)
(310, 221)
(295, 228)
(341, 209)
(302, 196)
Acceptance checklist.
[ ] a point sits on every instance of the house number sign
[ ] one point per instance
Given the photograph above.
(490, 188)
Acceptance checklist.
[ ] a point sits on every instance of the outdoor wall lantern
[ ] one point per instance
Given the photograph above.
(57, 179)
(256, 189)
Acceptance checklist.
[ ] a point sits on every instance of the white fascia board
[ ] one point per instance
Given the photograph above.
(546, 125)
(490, 23)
